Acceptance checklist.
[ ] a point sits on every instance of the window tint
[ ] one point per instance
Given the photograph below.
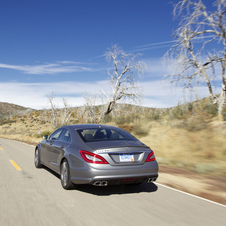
(55, 135)
(99, 134)
(65, 136)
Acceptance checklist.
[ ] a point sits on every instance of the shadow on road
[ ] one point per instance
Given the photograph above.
(112, 189)
(118, 189)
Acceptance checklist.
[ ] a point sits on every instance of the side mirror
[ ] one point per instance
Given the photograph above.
(45, 137)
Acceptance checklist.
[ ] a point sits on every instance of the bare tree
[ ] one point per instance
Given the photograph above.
(122, 77)
(59, 116)
(53, 110)
(195, 58)
(91, 108)
(81, 113)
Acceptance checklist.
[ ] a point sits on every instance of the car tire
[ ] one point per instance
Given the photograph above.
(65, 176)
(37, 159)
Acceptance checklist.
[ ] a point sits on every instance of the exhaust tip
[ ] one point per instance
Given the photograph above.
(151, 179)
(97, 183)
(100, 183)
(104, 183)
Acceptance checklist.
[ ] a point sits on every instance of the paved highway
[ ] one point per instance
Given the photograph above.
(30, 196)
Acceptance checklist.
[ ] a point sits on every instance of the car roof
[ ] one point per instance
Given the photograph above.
(88, 126)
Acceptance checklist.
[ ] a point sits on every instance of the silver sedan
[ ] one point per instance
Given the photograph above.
(100, 155)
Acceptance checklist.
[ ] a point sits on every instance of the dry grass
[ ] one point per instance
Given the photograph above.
(203, 151)
(195, 144)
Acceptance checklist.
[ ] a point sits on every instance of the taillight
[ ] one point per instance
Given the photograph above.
(92, 158)
(150, 157)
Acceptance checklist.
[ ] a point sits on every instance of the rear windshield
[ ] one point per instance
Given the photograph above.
(100, 134)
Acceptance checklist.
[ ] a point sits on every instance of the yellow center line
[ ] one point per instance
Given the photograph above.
(15, 165)
(1, 148)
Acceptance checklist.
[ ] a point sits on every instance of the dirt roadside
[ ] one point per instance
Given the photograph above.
(208, 187)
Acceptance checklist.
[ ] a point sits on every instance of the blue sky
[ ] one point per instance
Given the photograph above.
(58, 45)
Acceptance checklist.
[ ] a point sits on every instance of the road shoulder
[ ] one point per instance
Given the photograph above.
(205, 186)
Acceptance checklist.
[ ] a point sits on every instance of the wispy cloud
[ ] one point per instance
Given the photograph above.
(34, 95)
(165, 44)
(50, 68)
(154, 44)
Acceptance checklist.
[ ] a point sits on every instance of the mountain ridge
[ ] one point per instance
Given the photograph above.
(9, 109)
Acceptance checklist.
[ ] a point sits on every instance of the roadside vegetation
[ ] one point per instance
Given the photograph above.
(189, 136)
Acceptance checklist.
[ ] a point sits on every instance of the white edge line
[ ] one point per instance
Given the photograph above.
(186, 193)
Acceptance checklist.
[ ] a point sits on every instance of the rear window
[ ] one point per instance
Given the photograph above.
(100, 134)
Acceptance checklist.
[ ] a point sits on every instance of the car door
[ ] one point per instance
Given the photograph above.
(52, 149)
(58, 149)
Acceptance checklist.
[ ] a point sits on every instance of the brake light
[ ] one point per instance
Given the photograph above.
(92, 158)
(150, 157)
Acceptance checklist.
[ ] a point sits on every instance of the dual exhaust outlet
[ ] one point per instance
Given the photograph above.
(151, 179)
(100, 183)
(105, 183)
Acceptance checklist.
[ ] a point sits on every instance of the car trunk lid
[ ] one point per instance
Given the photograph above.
(119, 153)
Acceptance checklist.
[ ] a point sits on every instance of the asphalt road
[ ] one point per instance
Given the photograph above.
(30, 196)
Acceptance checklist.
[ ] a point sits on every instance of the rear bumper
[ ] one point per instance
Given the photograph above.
(115, 175)
(127, 179)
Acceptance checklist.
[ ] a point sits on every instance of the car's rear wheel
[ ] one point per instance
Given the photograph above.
(37, 159)
(65, 176)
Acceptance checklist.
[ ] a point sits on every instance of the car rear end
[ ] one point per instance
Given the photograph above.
(114, 160)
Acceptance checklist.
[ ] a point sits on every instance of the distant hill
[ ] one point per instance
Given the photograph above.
(7, 109)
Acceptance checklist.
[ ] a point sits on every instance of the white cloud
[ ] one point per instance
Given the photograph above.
(155, 67)
(156, 92)
(34, 95)
(49, 68)
(161, 94)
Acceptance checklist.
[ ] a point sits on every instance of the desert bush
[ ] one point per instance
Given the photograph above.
(205, 168)
(178, 124)
(209, 155)
(122, 119)
(139, 131)
(162, 160)
(2, 122)
(192, 123)
(107, 118)
(223, 113)
(196, 123)
(211, 109)
(45, 132)
(176, 112)
(154, 115)
(126, 127)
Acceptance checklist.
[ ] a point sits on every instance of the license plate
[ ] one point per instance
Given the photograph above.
(126, 157)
